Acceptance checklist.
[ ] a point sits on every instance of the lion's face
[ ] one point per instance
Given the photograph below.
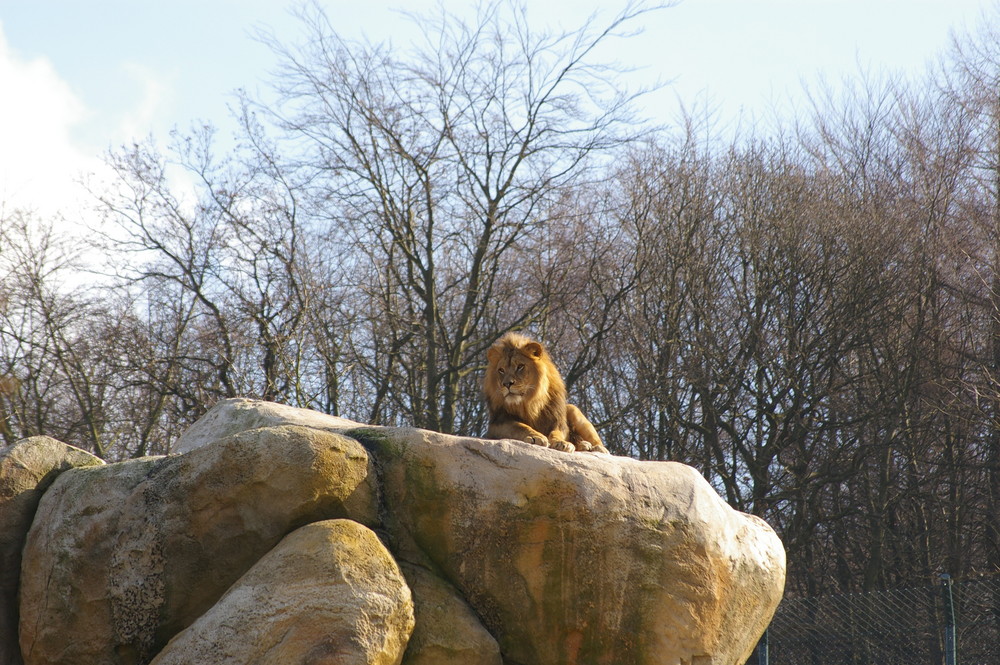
(516, 377)
(513, 374)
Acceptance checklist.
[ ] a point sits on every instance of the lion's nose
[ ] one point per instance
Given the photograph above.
(508, 383)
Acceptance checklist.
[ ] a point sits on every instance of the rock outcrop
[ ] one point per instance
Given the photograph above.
(124, 556)
(26, 471)
(328, 593)
(581, 558)
(447, 631)
(285, 536)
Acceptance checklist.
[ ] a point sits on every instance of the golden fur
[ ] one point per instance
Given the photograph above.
(526, 397)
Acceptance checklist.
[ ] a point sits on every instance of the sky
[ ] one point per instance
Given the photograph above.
(80, 77)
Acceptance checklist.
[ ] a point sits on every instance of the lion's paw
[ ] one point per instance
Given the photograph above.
(584, 446)
(537, 440)
(564, 446)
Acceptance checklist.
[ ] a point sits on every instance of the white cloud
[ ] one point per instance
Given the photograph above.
(137, 122)
(39, 163)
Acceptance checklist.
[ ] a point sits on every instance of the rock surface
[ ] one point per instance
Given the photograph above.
(447, 631)
(126, 555)
(580, 558)
(328, 593)
(513, 553)
(238, 415)
(26, 470)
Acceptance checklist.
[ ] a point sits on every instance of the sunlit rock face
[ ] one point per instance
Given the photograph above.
(26, 471)
(383, 545)
(121, 557)
(329, 592)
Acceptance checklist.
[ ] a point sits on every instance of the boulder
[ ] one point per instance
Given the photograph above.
(230, 416)
(447, 631)
(123, 557)
(582, 558)
(328, 593)
(26, 470)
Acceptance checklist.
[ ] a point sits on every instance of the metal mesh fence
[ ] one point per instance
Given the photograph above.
(894, 627)
(977, 621)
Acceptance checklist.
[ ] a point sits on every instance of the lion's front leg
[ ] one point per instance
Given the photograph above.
(512, 429)
(581, 432)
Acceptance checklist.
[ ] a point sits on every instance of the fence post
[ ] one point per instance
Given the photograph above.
(763, 652)
(950, 648)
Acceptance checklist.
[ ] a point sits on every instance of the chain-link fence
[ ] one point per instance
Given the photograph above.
(896, 627)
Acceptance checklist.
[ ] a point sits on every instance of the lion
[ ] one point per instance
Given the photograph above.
(526, 397)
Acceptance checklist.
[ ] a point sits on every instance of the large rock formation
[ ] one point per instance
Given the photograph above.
(328, 593)
(512, 553)
(26, 471)
(582, 558)
(124, 556)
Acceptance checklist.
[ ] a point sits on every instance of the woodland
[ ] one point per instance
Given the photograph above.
(806, 310)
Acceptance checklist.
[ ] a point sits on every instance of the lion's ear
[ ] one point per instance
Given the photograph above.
(493, 354)
(533, 349)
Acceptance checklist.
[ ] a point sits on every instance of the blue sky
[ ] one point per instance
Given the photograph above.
(78, 77)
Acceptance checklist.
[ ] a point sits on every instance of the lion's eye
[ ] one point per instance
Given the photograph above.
(500, 370)
(520, 368)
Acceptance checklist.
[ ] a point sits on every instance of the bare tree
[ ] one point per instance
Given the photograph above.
(217, 252)
(969, 81)
(436, 170)
(55, 375)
